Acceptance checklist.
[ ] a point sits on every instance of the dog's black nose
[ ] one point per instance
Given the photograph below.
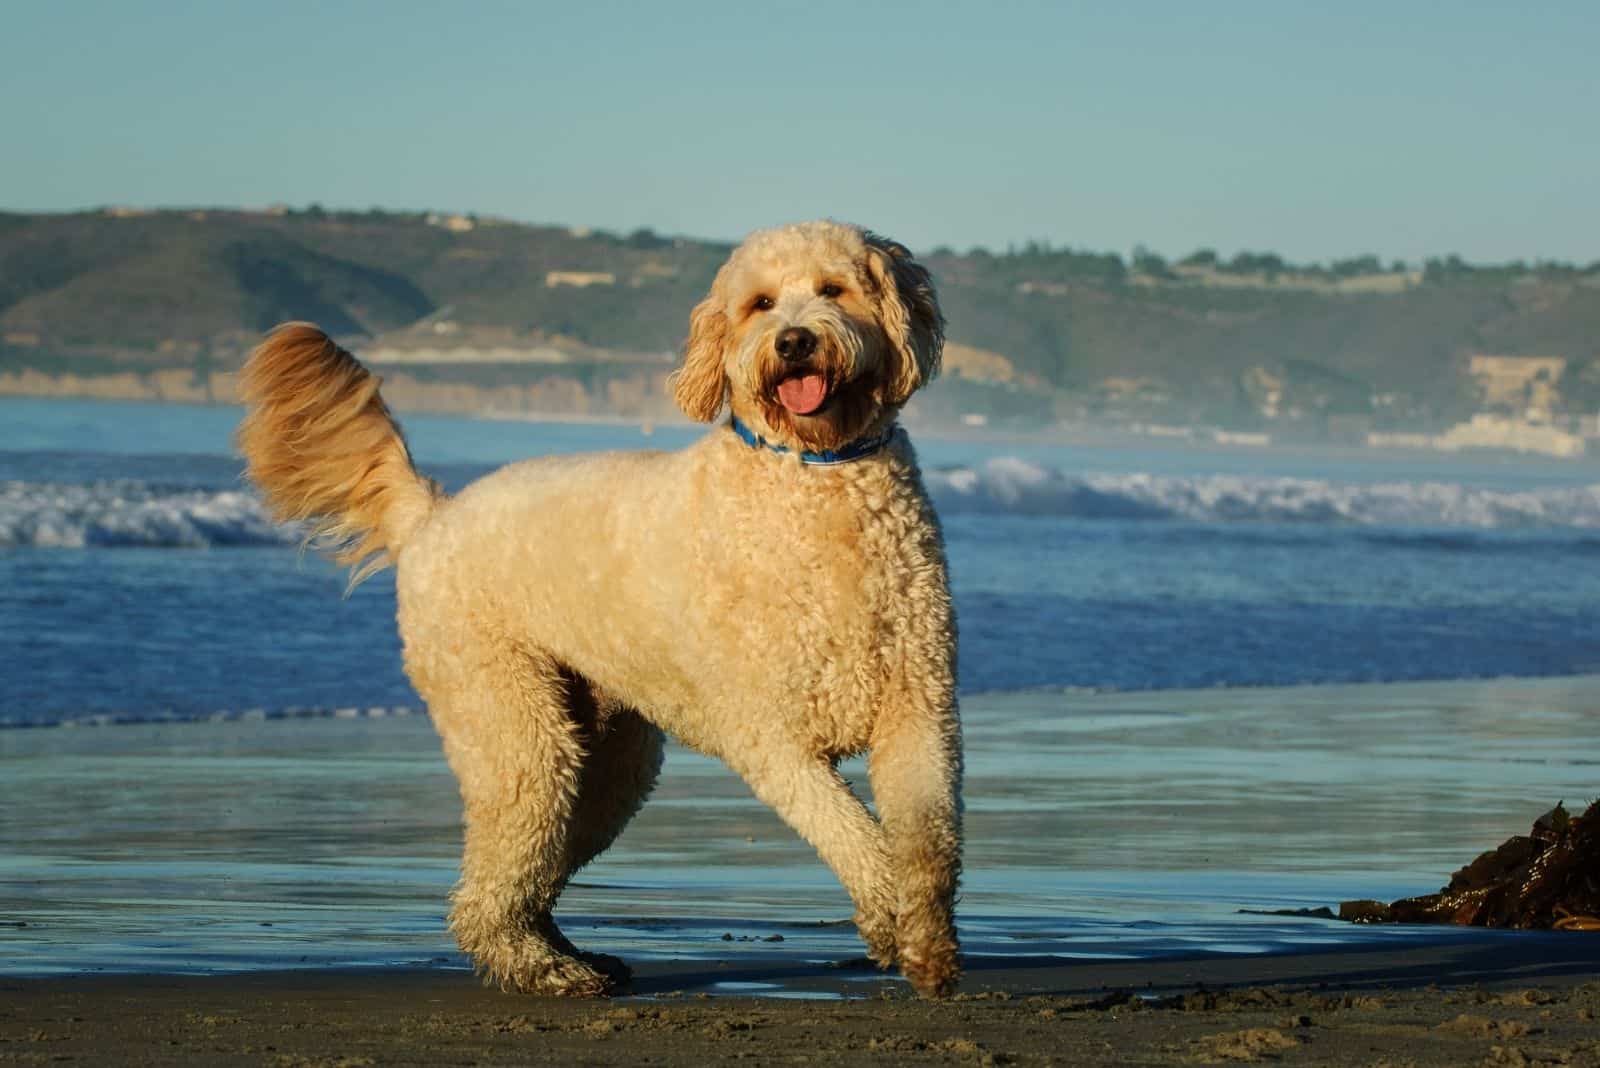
(795, 344)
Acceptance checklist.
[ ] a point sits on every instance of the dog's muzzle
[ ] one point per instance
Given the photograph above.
(795, 345)
(803, 389)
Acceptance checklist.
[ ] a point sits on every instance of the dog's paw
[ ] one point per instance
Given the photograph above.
(933, 969)
(548, 975)
(565, 977)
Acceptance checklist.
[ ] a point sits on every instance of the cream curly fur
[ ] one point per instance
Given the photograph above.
(559, 614)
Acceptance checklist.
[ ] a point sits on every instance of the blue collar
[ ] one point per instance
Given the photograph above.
(848, 454)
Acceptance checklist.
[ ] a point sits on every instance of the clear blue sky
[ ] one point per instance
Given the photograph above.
(1312, 129)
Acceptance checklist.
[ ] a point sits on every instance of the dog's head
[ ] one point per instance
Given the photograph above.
(815, 334)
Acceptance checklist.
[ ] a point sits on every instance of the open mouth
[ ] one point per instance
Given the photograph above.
(805, 392)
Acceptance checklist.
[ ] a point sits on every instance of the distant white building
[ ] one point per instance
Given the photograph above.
(456, 224)
(1486, 431)
(1252, 438)
(1379, 439)
(1162, 430)
(579, 279)
(1525, 385)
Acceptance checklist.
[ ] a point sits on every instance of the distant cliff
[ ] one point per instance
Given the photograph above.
(165, 304)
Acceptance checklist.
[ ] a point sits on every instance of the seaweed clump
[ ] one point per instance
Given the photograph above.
(1548, 879)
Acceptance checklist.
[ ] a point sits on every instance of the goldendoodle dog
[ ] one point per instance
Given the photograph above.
(774, 595)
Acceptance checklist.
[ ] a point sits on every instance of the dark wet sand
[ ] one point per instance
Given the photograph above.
(1523, 1000)
(1134, 825)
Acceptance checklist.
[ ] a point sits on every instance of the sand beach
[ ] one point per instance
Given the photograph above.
(1523, 1002)
(272, 890)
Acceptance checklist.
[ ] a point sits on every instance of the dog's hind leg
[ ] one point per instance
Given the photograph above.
(518, 756)
(623, 761)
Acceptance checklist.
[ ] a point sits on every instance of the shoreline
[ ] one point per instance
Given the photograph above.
(1402, 957)
(1077, 436)
(1095, 695)
(1530, 999)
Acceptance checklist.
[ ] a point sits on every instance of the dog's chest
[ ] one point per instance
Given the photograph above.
(836, 554)
(820, 598)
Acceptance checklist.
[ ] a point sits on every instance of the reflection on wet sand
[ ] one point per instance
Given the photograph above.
(1100, 827)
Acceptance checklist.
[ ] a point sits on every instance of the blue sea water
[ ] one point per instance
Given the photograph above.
(139, 578)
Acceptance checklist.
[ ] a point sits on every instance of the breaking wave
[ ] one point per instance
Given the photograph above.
(241, 715)
(133, 513)
(1009, 486)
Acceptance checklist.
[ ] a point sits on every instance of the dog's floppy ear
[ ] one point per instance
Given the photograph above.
(699, 385)
(909, 309)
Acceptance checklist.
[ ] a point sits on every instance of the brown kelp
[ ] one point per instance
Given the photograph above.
(1546, 879)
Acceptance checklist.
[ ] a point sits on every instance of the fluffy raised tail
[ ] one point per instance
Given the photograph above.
(321, 446)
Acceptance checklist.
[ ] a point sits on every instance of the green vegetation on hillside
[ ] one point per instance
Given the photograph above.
(1177, 340)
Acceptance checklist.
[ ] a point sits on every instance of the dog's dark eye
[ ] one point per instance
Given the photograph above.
(830, 290)
(761, 304)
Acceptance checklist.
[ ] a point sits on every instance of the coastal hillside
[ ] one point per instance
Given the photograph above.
(488, 314)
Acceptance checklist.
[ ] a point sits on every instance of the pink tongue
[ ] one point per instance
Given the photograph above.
(803, 394)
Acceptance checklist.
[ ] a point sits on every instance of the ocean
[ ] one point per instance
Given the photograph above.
(1195, 681)
(141, 579)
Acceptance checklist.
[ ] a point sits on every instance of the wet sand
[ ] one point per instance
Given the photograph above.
(1099, 826)
(1530, 999)
(273, 893)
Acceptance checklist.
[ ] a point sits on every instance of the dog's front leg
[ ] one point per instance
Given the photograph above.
(915, 767)
(809, 795)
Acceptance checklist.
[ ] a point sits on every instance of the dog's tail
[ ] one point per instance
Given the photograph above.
(322, 446)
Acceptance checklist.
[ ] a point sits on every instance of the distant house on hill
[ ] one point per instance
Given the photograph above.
(968, 361)
(456, 224)
(1523, 385)
(579, 279)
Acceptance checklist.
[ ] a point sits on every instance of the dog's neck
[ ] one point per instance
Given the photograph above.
(858, 449)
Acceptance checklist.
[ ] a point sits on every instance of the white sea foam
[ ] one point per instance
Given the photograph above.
(227, 715)
(1017, 487)
(132, 513)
